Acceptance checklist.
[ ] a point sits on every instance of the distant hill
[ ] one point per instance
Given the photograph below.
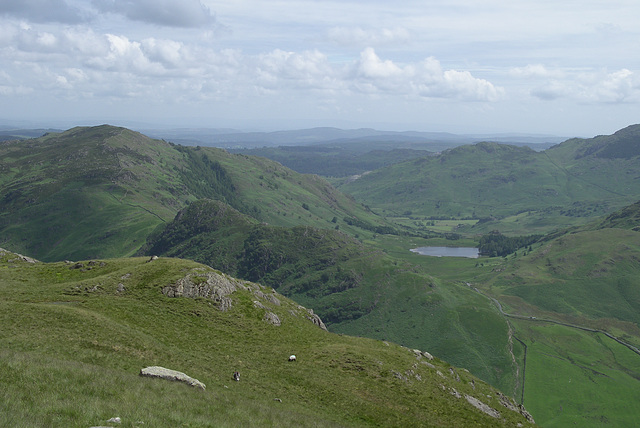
(335, 160)
(363, 138)
(9, 133)
(99, 191)
(76, 336)
(565, 184)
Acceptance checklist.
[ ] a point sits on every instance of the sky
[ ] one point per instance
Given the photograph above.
(567, 68)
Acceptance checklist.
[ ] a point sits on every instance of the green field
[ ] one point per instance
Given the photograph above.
(579, 378)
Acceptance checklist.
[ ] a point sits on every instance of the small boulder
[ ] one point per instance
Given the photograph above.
(272, 318)
(168, 374)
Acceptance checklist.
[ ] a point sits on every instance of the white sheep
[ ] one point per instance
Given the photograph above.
(292, 358)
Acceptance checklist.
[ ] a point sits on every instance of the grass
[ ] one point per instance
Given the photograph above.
(575, 377)
(355, 288)
(72, 347)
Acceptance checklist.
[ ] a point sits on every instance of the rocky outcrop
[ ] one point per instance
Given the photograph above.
(15, 257)
(173, 375)
(483, 407)
(314, 318)
(272, 318)
(209, 285)
(218, 287)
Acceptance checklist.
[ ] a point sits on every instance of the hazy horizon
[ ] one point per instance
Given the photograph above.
(541, 67)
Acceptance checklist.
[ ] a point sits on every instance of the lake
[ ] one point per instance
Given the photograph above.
(469, 252)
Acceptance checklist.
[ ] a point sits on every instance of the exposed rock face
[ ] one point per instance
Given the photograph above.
(209, 285)
(510, 404)
(173, 375)
(268, 297)
(483, 407)
(18, 257)
(218, 287)
(314, 318)
(272, 318)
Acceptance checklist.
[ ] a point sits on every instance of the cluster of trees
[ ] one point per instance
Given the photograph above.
(207, 178)
(496, 244)
(381, 230)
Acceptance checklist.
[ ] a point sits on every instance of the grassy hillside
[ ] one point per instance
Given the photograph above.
(510, 188)
(356, 288)
(99, 191)
(568, 298)
(75, 336)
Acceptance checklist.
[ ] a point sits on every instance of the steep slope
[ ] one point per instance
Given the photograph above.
(99, 191)
(590, 273)
(357, 289)
(623, 144)
(76, 335)
(567, 184)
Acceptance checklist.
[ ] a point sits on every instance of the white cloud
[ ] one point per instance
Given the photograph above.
(308, 70)
(620, 86)
(167, 52)
(426, 79)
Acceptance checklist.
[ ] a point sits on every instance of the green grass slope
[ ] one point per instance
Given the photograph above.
(568, 299)
(73, 338)
(356, 288)
(526, 191)
(99, 191)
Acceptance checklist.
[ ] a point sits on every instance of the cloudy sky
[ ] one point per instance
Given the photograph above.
(569, 68)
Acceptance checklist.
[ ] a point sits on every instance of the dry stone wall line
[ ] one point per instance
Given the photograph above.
(536, 319)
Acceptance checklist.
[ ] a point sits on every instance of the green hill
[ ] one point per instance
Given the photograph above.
(514, 189)
(75, 336)
(99, 191)
(574, 301)
(356, 288)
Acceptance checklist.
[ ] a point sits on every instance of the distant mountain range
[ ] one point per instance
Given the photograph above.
(433, 141)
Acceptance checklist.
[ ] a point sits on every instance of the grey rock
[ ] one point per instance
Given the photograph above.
(272, 299)
(18, 258)
(173, 375)
(210, 285)
(510, 404)
(314, 318)
(483, 407)
(272, 318)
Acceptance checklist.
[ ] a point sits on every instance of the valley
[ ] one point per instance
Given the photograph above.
(567, 219)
